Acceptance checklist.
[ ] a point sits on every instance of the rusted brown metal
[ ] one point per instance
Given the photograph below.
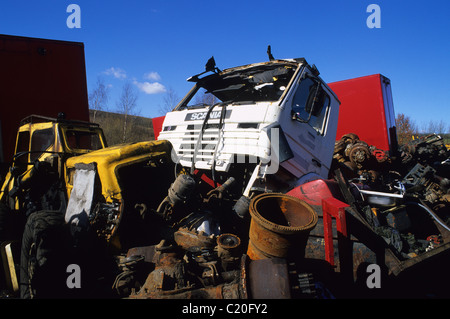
(229, 250)
(168, 281)
(280, 224)
(275, 286)
(148, 252)
(223, 291)
(358, 154)
(186, 238)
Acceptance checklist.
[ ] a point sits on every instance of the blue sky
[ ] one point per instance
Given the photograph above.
(157, 45)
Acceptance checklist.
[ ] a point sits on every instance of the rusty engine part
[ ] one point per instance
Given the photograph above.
(126, 282)
(359, 158)
(104, 219)
(219, 273)
(423, 179)
(228, 246)
(178, 193)
(219, 190)
(191, 271)
(423, 150)
(406, 198)
(200, 258)
(358, 154)
(194, 259)
(280, 224)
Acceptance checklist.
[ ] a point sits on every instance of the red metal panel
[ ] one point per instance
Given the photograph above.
(157, 125)
(332, 207)
(313, 192)
(40, 76)
(362, 110)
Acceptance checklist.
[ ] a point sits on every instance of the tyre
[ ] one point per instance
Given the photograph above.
(44, 252)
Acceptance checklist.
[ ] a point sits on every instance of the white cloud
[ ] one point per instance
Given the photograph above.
(118, 73)
(150, 88)
(152, 76)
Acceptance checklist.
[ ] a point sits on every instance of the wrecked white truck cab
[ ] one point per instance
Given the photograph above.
(279, 116)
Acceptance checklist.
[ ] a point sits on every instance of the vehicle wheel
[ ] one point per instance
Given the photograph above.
(44, 251)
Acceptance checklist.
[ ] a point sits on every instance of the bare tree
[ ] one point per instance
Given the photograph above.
(436, 127)
(170, 100)
(98, 99)
(127, 106)
(406, 128)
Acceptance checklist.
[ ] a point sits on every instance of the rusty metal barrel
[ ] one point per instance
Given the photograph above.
(280, 226)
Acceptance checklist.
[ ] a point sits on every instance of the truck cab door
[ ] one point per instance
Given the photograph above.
(19, 165)
(22, 152)
(304, 121)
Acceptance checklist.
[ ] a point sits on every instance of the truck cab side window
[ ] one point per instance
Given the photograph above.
(80, 140)
(23, 144)
(318, 115)
(40, 141)
(310, 104)
(302, 97)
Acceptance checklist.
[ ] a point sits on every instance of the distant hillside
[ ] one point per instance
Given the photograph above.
(138, 128)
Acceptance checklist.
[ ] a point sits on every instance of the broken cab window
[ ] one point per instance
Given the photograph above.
(83, 140)
(23, 144)
(242, 86)
(310, 104)
(203, 99)
(41, 140)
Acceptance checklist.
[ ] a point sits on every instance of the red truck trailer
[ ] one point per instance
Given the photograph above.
(367, 110)
(39, 76)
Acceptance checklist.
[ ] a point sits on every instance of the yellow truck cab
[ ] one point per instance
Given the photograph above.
(116, 186)
(65, 180)
(34, 185)
(50, 140)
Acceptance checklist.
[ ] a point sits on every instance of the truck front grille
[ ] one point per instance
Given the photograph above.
(227, 143)
(207, 145)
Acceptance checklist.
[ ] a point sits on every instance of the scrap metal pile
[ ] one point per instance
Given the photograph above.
(404, 197)
(207, 252)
